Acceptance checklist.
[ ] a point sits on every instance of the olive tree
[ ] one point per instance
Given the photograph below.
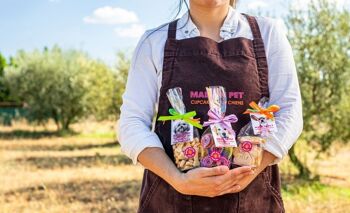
(321, 41)
(61, 85)
(4, 93)
(122, 68)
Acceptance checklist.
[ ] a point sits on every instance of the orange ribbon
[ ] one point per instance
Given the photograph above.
(268, 112)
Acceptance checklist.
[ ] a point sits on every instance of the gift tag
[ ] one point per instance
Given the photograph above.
(223, 137)
(262, 125)
(181, 132)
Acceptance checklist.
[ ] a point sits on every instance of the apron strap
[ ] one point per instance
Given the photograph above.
(260, 55)
(172, 29)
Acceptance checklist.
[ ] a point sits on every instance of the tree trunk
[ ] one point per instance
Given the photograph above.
(66, 123)
(57, 120)
(304, 172)
(58, 126)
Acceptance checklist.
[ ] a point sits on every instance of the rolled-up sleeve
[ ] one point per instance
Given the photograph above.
(284, 92)
(139, 99)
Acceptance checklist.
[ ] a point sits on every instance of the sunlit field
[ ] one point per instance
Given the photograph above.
(42, 171)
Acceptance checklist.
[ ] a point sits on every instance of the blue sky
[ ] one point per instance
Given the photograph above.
(99, 27)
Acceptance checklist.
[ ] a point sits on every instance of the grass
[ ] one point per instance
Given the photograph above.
(316, 197)
(43, 172)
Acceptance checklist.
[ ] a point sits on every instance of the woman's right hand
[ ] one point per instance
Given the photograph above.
(211, 182)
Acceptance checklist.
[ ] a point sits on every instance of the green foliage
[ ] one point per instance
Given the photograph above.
(4, 91)
(123, 65)
(303, 190)
(320, 39)
(2, 64)
(61, 85)
(315, 197)
(102, 86)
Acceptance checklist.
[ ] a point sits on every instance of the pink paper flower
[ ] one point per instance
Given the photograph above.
(189, 152)
(246, 146)
(215, 156)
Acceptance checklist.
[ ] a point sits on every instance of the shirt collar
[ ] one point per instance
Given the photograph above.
(227, 30)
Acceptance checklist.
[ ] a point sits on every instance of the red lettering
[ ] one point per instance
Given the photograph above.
(235, 103)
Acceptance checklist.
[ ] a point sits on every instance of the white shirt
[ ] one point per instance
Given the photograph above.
(145, 77)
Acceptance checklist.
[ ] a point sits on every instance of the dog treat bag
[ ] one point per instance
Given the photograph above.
(184, 132)
(218, 139)
(253, 136)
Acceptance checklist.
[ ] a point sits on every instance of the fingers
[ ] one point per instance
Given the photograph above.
(220, 170)
(218, 180)
(240, 170)
(221, 177)
(241, 175)
(215, 171)
(236, 174)
(234, 179)
(232, 189)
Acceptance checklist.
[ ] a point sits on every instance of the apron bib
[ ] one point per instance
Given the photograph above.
(239, 65)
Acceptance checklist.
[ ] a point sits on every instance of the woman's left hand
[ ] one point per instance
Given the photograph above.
(244, 182)
(267, 159)
(241, 184)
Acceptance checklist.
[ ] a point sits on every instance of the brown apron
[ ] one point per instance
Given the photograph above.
(239, 65)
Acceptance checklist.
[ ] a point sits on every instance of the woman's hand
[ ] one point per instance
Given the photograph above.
(243, 183)
(267, 159)
(211, 182)
(208, 182)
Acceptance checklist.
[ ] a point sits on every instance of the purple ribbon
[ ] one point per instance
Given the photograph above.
(226, 121)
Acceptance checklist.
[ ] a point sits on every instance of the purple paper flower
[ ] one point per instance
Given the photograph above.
(223, 162)
(207, 162)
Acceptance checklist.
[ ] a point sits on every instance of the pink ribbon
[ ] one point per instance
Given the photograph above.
(226, 121)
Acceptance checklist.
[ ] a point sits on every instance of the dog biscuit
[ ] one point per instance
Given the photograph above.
(187, 154)
(249, 151)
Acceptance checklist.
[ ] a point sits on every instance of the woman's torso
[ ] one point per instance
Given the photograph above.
(194, 63)
(235, 26)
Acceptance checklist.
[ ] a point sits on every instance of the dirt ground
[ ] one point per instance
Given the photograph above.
(44, 172)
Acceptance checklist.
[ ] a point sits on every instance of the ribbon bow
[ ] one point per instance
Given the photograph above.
(226, 121)
(187, 117)
(268, 112)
